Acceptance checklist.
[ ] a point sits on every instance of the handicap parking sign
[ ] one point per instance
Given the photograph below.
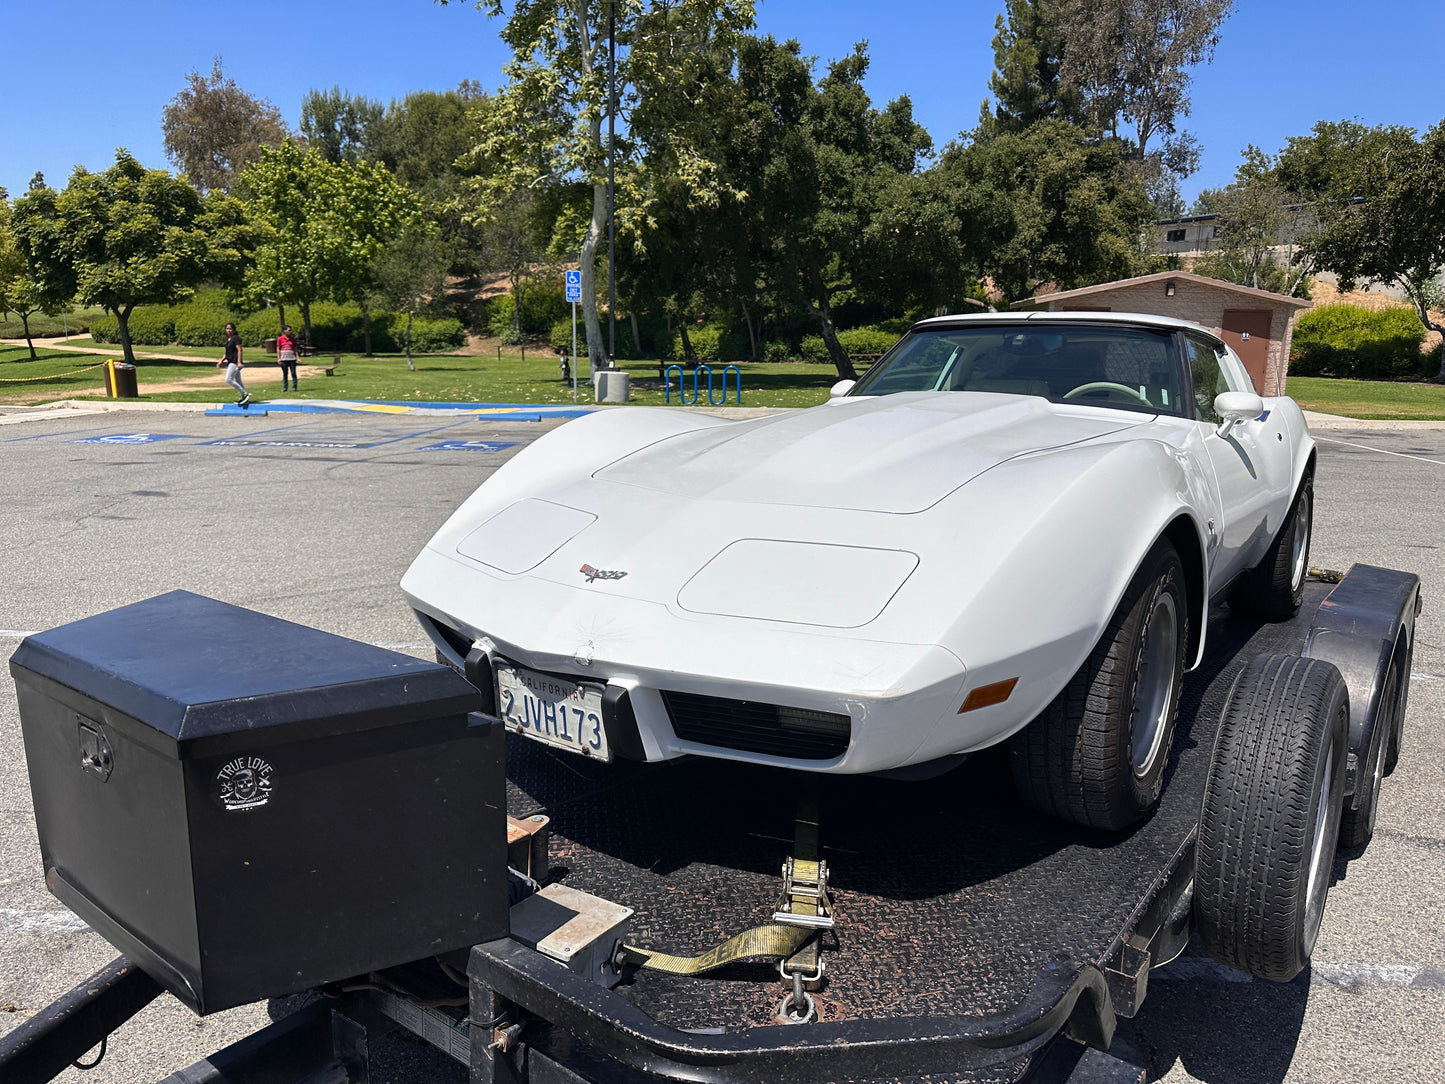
(574, 285)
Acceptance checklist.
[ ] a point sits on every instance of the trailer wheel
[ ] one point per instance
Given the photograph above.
(1358, 825)
(1271, 816)
(1274, 588)
(1096, 756)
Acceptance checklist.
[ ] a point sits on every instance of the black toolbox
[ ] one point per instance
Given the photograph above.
(247, 807)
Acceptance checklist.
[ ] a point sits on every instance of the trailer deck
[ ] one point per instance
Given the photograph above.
(952, 898)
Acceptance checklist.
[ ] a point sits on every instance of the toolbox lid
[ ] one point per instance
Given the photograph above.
(195, 668)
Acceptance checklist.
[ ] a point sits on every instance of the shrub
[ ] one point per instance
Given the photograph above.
(778, 350)
(542, 307)
(813, 348)
(1350, 341)
(866, 340)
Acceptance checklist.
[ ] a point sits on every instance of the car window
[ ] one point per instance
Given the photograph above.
(1208, 377)
(1092, 364)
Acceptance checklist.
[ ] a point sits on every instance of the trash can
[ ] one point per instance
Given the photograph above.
(120, 380)
(613, 386)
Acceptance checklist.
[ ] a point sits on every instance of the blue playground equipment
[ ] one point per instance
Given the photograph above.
(720, 400)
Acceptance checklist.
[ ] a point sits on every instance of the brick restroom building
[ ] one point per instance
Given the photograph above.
(1256, 323)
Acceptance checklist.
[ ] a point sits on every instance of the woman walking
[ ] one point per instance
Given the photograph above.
(232, 362)
(286, 355)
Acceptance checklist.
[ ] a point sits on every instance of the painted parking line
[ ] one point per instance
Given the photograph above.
(14, 921)
(1353, 975)
(320, 434)
(1380, 451)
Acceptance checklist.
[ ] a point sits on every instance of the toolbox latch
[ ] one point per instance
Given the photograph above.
(95, 755)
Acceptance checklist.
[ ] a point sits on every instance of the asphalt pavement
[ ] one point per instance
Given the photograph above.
(314, 518)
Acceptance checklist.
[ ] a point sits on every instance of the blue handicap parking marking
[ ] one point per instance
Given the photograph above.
(127, 438)
(471, 446)
(321, 435)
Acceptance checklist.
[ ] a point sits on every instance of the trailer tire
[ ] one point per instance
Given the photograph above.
(1357, 825)
(1270, 818)
(1274, 588)
(1096, 755)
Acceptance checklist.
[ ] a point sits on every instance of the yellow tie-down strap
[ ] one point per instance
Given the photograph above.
(772, 940)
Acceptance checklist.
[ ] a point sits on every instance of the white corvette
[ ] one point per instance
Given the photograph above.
(1010, 528)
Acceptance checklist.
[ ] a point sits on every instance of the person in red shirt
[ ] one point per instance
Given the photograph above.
(286, 355)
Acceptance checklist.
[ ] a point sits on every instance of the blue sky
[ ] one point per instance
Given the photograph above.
(82, 78)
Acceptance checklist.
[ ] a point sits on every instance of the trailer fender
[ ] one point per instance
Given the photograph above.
(1365, 624)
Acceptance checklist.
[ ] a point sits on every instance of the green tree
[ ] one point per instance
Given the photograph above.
(1382, 218)
(546, 126)
(129, 236)
(21, 294)
(213, 129)
(1027, 82)
(1045, 206)
(1263, 228)
(338, 125)
(1130, 58)
(409, 275)
(323, 223)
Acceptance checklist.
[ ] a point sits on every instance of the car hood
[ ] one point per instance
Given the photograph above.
(896, 453)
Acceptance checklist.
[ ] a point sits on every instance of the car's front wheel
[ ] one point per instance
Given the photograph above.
(1096, 756)
(1275, 587)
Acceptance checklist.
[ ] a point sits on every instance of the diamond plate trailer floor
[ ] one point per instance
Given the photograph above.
(955, 904)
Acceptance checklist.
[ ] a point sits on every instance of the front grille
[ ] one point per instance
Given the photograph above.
(796, 733)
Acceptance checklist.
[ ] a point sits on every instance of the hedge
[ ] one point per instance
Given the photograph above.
(1360, 343)
(202, 322)
(542, 307)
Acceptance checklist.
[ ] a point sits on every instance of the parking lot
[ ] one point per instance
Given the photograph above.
(313, 518)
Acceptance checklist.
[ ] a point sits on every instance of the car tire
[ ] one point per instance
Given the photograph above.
(1270, 819)
(1274, 588)
(1097, 754)
(1357, 825)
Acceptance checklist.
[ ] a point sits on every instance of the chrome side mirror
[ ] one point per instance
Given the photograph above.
(1235, 407)
(840, 389)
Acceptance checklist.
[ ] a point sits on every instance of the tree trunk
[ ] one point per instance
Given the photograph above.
(366, 327)
(305, 322)
(25, 324)
(636, 335)
(687, 351)
(122, 320)
(281, 312)
(752, 338)
(824, 315)
(409, 364)
(1419, 295)
(597, 228)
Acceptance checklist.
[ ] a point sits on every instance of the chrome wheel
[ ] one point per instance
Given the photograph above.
(1154, 694)
(1300, 541)
(1320, 862)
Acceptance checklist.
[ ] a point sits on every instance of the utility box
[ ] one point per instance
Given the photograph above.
(248, 807)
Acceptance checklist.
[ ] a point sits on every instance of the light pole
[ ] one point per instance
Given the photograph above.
(611, 184)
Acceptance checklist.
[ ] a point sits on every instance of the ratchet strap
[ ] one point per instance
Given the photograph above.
(770, 940)
(804, 912)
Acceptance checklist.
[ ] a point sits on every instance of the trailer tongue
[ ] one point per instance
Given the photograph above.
(929, 927)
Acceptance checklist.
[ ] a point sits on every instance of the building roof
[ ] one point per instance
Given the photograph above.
(1166, 276)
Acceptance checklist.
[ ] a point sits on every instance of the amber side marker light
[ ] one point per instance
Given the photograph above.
(987, 695)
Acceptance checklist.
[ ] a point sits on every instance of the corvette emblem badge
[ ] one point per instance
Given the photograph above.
(594, 574)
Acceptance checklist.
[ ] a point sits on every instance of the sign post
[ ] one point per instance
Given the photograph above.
(574, 295)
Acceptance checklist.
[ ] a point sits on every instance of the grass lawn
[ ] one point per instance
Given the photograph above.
(1369, 398)
(47, 327)
(463, 378)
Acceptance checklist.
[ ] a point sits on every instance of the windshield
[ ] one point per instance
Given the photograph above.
(1128, 368)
